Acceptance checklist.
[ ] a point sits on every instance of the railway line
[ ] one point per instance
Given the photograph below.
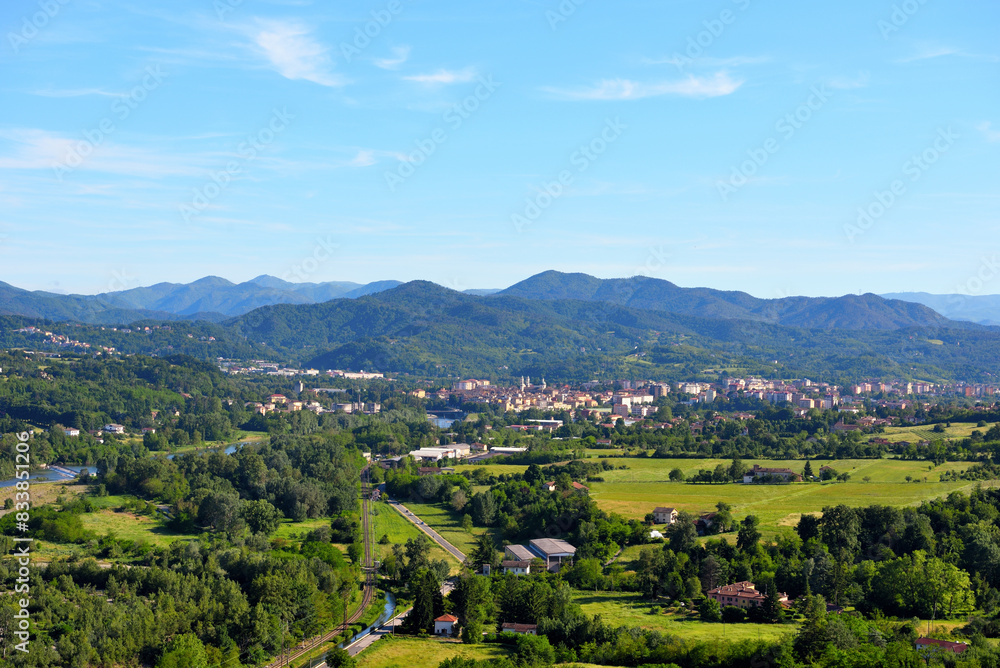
(368, 566)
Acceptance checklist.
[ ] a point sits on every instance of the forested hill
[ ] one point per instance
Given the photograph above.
(427, 329)
(848, 312)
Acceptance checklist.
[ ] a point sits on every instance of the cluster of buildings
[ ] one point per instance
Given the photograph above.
(279, 403)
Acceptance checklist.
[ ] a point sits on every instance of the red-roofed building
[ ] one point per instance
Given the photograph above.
(445, 625)
(741, 595)
(523, 629)
(935, 645)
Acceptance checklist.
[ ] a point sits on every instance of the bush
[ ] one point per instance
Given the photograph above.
(710, 610)
(733, 615)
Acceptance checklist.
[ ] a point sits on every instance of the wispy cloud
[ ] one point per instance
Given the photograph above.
(401, 55)
(74, 92)
(849, 83)
(295, 54)
(625, 89)
(680, 61)
(937, 51)
(444, 76)
(986, 128)
(364, 158)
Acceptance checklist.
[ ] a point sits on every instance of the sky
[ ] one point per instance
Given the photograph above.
(779, 148)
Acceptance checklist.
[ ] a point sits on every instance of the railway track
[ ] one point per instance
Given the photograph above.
(368, 566)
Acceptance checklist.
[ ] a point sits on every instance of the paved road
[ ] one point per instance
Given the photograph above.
(361, 645)
(435, 536)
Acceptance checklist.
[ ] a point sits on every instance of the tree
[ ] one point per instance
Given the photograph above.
(427, 602)
(473, 602)
(676, 475)
(749, 534)
(710, 610)
(807, 472)
(682, 534)
(485, 552)
(339, 658)
(484, 508)
(839, 528)
(533, 474)
(808, 527)
(260, 516)
(184, 651)
(458, 500)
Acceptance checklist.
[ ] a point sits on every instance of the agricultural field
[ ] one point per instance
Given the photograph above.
(406, 652)
(448, 523)
(645, 484)
(629, 609)
(389, 522)
(637, 490)
(923, 432)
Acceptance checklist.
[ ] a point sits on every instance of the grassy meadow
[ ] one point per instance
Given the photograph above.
(448, 523)
(389, 522)
(629, 609)
(407, 652)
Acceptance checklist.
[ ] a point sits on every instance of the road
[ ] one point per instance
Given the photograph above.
(362, 644)
(435, 536)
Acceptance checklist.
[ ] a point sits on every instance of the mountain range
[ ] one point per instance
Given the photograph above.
(215, 299)
(566, 326)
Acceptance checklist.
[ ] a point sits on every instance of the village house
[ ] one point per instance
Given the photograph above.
(553, 551)
(518, 553)
(445, 625)
(741, 595)
(577, 487)
(935, 646)
(512, 567)
(114, 428)
(663, 515)
(758, 471)
(520, 629)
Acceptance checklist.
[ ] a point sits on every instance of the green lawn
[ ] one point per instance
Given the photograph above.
(403, 652)
(389, 522)
(448, 523)
(628, 609)
(129, 526)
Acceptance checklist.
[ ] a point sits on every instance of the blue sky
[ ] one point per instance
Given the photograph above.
(732, 144)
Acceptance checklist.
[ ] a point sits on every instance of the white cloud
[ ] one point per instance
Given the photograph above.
(625, 89)
(929, 52)
(364, 158)
(987, 129)
(75, 92)
(444, 76)
(681, 62)
(401, 53)
(295, 54)
(848, 83)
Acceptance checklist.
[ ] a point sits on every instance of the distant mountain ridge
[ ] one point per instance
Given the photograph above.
(867, 311)
(210, 298)
(981, 309)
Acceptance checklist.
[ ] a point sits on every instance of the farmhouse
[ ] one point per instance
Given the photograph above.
(741, 595)
(933, 645)
(663, 515)
(758, 471)
(515, 567)
(521, 629)
(114, 428)
(577, 487)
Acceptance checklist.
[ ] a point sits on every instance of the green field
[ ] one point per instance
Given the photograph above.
(448, 523)
(628, 609)
(636, 491)
(129, 526)
(403, 652)
(389, 522)
(915, 434)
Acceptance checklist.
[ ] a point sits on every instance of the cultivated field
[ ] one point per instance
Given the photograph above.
(915, 434)
(389, 522)
(645, 485)
(448, 523)
(403, 652)
(629, 609)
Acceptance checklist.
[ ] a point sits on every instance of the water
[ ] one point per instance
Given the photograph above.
(230, 449)
(387, 611)
(48, 475)
(441, 423)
